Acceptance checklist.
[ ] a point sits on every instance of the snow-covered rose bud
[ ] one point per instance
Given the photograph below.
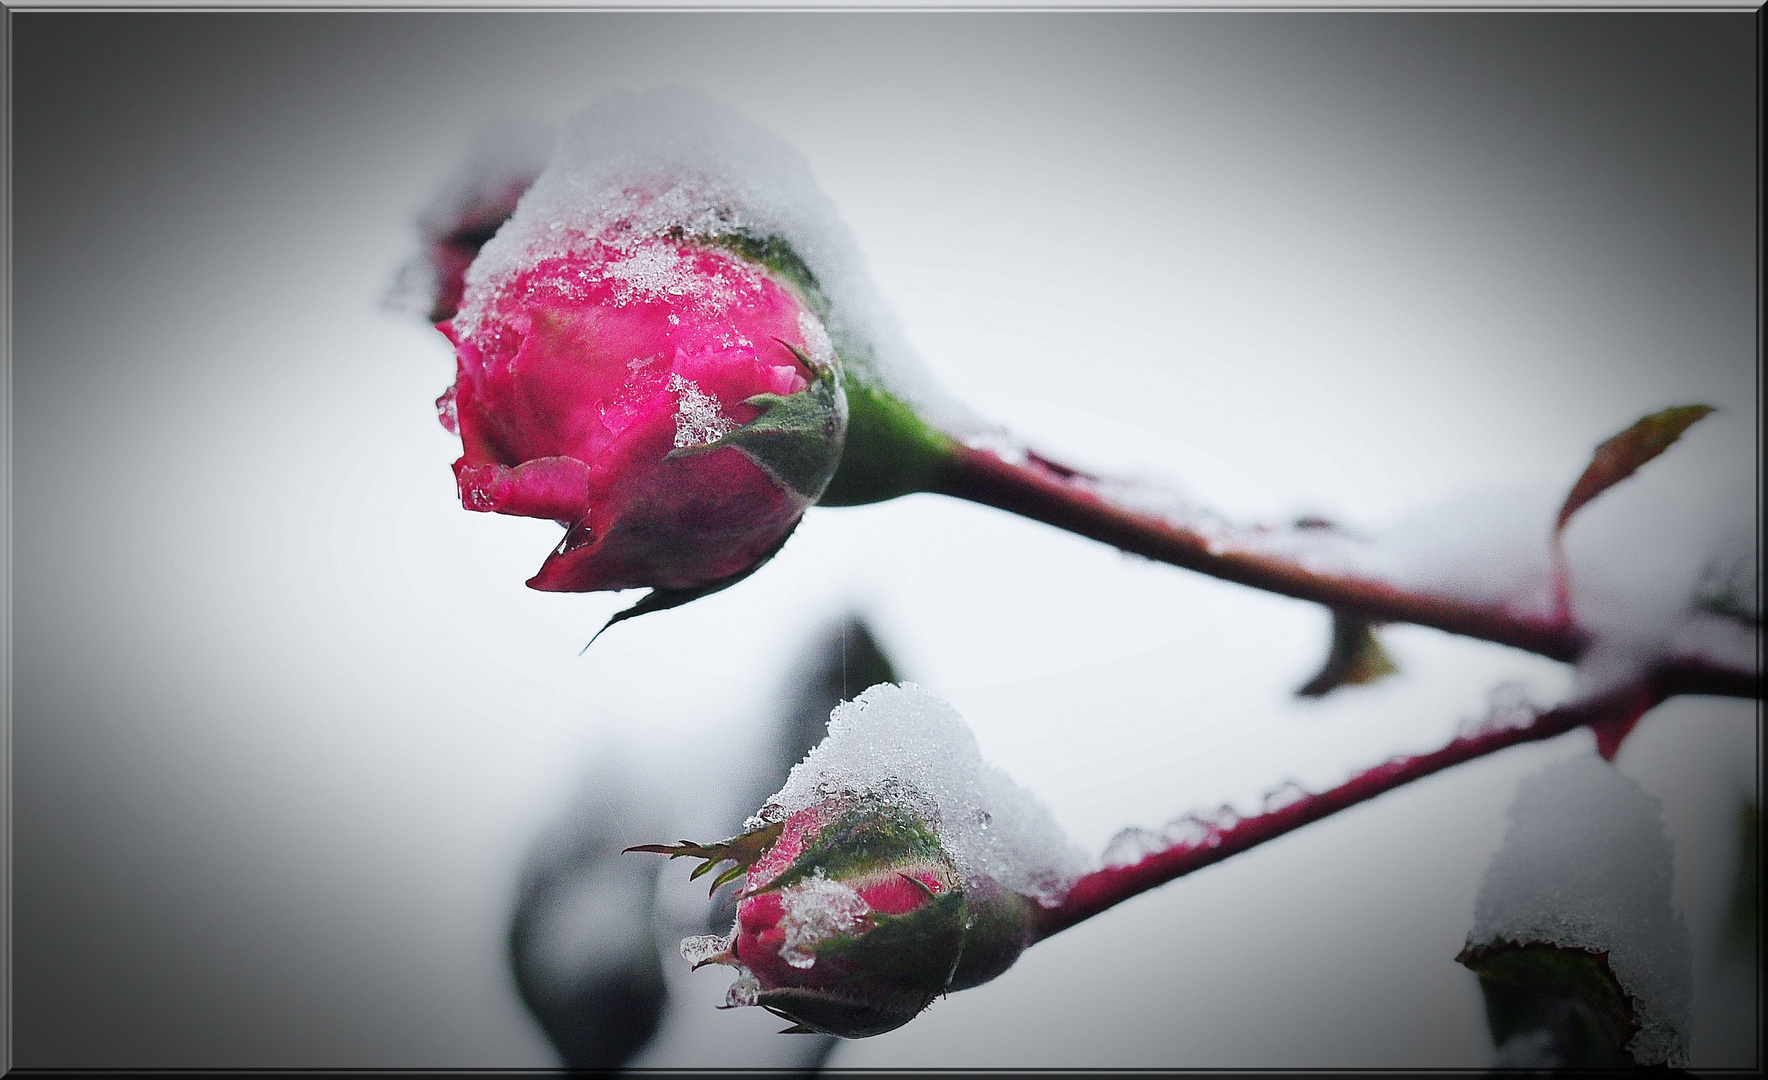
(644, 354)
(674, 404)
(893, 867)
(853, 918)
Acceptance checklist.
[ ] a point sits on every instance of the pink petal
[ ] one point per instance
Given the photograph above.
(553, 487)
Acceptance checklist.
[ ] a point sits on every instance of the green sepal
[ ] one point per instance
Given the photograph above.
(775, 253)
(997, 929)
(797, 438)
(1572, 993)
(917, 950)
(664, 599)
(743, 850)
(887, 974)
(863, 840)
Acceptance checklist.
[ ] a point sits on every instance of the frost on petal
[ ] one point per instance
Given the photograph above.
(652, 272)
(815, 910)
(1586, 865)
(904, 745)
(698, 418)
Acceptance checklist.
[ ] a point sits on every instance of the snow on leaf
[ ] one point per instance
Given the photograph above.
(1586, 867)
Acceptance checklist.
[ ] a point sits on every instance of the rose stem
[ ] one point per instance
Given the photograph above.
(1063, 497)
(1102, 889)
(1058, 496)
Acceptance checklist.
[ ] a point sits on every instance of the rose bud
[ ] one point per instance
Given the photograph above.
(854, 919)
(872, 892)
(640, 362)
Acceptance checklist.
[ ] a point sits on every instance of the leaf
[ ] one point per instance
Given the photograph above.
(1355, 658)
(1624, 454)
(742, 850)
(1569, 996)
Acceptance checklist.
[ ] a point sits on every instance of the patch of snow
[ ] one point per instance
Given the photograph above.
(636, 166)
(815, 910)
(903, 744)
(1585, 864)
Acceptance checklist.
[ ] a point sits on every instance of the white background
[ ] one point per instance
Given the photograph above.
(287, 719)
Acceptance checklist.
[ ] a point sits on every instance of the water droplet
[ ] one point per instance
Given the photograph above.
(745, 991)
(1287, 794)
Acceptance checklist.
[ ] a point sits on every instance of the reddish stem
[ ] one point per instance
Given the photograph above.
(1063, 497)
(1105, 888)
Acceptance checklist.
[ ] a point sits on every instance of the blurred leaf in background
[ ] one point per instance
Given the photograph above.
(588, 938)
(1552, 1007)
(1741, 925)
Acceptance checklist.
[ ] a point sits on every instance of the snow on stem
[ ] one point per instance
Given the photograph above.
(1213, 841)
(1305, 562)
(1059, 496)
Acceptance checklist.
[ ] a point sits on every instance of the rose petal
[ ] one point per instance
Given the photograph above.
(554, 487)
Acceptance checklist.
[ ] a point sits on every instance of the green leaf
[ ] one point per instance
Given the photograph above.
(797, 439)
(1624, 454)
(1355, 658)
(1571, 994)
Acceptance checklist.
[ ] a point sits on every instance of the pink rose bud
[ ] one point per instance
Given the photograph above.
(671, 402)
(854, 917)
(642, 357)
(658, 339)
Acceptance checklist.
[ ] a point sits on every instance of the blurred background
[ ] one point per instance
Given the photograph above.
(290, 738)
